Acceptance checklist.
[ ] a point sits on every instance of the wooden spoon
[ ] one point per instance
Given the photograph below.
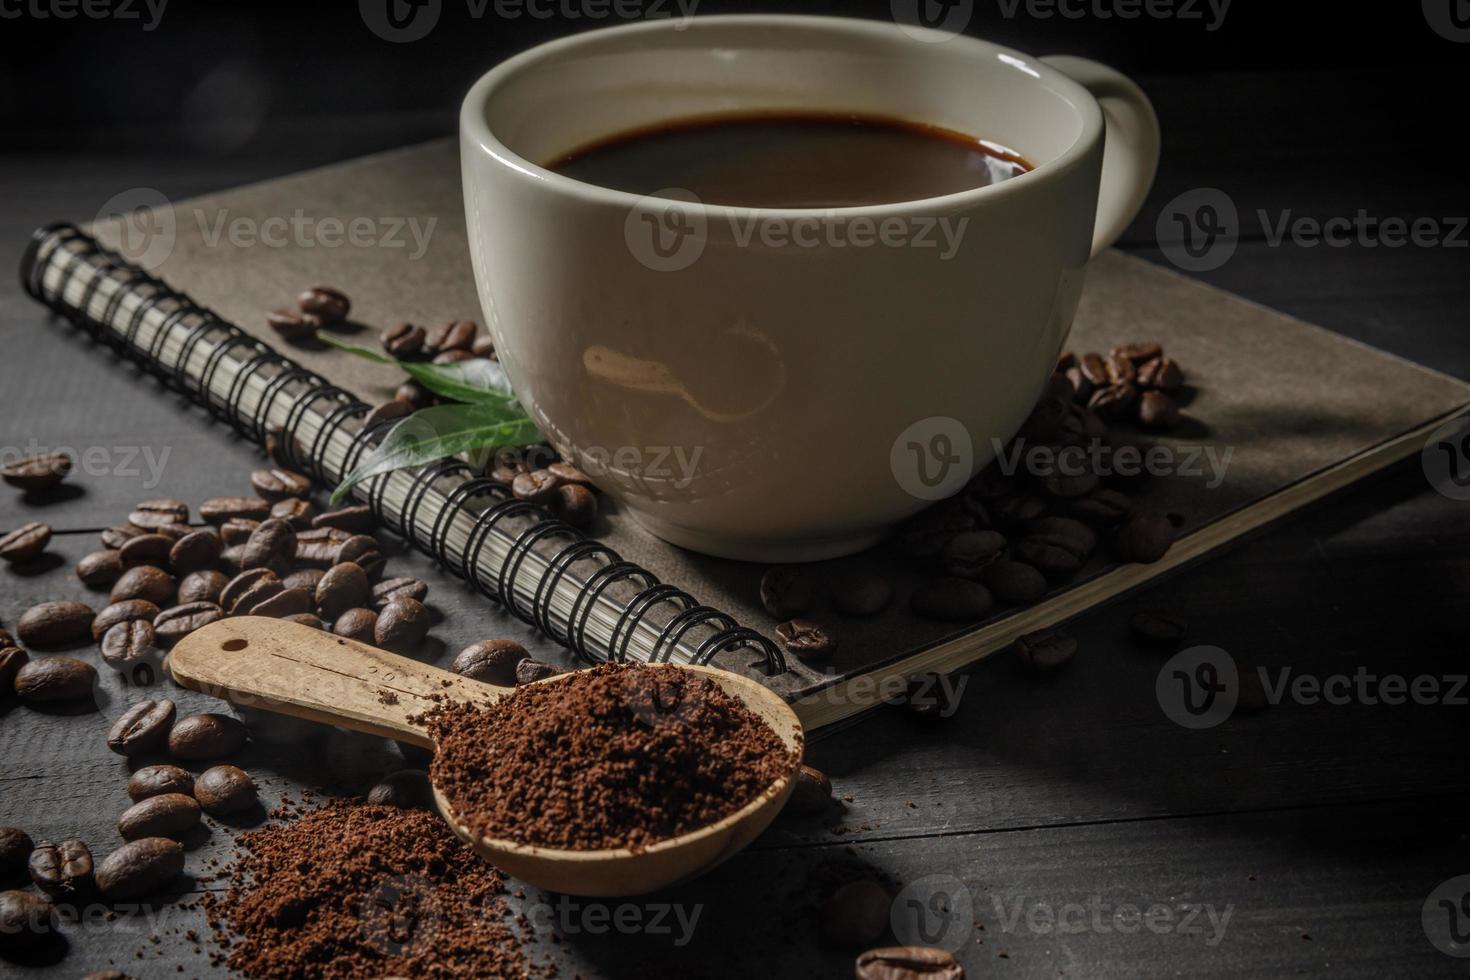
(297, 670)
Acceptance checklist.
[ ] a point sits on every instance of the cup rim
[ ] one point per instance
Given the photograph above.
(474, 126)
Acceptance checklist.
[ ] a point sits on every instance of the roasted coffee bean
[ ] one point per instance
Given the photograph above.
(6, 640)
(273, 546)
(237, 530)
(406, 789)
(484, 347)
(39, 472)
(327, 304)
(1079, 535)
(924, 536)
(454, 335)
(53, 679)
(27, 922)
(320, 553)
(908, 963)
(145, 582)
(195, 551)
(952, 600)
(295, 512)
(225, 789)
(356, 518)
(218, 510)
(389, 411)
(362, 550)
(1014, 583)
(143, 728)
(1158, 629)
(174, 624)
(402, 587)
(304, 578)
(1113, 402)
(415, 394)
(1121, 370)
(1044, 424)
(786, 591)
(202, 586)
(856, 914)
(574, 504)
(261, 591)
(157, 780)
(12, 659)
(122, 612)
(1102, 508)
(807, 639)
(537, 486)
(293, 326)
(132, 649)
(403, 340)
(243, 583)
(402, 625)
(1017, 510)
(342, 587)
(1070, 484)
(152, 514)
(173, 531)
(168, 815)
(54, 624)
(278, 484)
(146, 549)
(198, 738)
(1139, 352)
(1094, 369)
(62, 871)
(860, 593)
(114, 538)
(931, 696)
(139, 868)
(99, 569)
(1143, 538)
(25, 542)
(567, 473)
(452, 357)
(1056, 556)
(530, 670)
(356, 624)
(286, 602)
(811, 793)
(15, 852)
(1045, 650)
(305, 619)
(1157, 411)
(1082, 388)
(490, 661)
(1161, 373)
(966, 555)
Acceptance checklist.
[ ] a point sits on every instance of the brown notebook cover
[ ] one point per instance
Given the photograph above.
(1289, 411)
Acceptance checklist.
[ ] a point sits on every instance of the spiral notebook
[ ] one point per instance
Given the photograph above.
(1295, 412)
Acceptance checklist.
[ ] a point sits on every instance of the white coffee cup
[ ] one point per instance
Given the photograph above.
(787, 384)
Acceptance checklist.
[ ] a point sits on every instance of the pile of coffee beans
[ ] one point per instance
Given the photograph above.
(356, 889)
(1009, 538)
(621, 755)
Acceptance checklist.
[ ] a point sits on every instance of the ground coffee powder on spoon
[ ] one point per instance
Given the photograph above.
(622, 755)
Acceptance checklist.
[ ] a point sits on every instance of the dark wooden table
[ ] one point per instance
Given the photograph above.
(1085, 833)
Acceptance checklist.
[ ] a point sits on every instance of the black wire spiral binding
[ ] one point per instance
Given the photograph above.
(153, 293)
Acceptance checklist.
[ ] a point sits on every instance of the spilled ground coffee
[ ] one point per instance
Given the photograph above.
(622, 755)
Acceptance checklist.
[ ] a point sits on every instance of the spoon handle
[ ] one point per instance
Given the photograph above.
(308, 673)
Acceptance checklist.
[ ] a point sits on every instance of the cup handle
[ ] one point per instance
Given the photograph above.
(1131, 151)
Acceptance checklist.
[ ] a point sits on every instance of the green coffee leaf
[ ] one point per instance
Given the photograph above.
(477, 380)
